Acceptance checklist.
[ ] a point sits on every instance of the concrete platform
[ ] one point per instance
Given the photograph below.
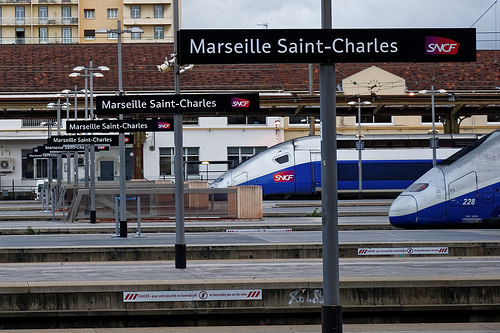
(390, 290)
(380, 328)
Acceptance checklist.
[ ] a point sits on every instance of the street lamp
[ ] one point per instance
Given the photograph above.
(121, 138)
(89, 74)
(434, 142)
(360, 145)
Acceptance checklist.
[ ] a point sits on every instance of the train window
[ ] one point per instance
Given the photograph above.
(417, 187)
(282, 159)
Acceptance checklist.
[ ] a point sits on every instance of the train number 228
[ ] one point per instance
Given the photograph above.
(469, 202)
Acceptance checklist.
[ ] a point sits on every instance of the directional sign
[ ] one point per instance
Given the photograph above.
(325, 46)
(174, 104)
(119, 126)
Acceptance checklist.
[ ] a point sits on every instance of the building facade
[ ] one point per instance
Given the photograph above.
(76, 21)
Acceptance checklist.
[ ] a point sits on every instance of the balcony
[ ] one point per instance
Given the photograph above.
(147, 20)
(37, 2)
(147, 2)
(23, 21)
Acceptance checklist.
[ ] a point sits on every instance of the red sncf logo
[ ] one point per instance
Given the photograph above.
(284, 176)
(163, 125)
(440, 45)
(237, 102)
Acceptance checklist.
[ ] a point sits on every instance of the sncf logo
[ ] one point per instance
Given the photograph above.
(284, 176)
(163, 125)
(237, 102)
(440, 45)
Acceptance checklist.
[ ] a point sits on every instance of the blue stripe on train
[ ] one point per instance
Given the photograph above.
(387, 175)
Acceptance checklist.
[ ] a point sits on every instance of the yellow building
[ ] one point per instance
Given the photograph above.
(75, 21)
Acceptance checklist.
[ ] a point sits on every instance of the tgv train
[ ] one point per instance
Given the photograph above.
(463, 190)
(389, 162)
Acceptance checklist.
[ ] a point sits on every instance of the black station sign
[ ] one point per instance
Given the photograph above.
(326, 46)
(173, 104)
(119, 126)
(78, 140)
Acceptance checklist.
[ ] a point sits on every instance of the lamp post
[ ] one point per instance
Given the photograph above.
(67, 93)
(434, 142)
(89, 74)
(360, 146)
(121, 138)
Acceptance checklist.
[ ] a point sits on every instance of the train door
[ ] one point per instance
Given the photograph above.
(464, 199)
(315, 171)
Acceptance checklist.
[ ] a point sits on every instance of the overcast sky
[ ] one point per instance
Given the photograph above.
(281, 14)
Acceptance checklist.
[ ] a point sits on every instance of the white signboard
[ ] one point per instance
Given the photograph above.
(402, 251)
(192, 295)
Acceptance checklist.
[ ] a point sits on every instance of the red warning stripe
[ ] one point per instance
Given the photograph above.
(131, 297)
(254, 294)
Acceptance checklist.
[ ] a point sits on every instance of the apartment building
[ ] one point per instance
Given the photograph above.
(76, 21)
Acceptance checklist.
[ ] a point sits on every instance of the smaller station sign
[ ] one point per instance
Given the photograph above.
(198, 104)
(119, 126)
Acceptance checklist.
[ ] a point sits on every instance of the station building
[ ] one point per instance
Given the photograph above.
(33, 75)
(76, 21)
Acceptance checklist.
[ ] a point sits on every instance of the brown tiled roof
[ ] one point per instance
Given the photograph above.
(44, 68)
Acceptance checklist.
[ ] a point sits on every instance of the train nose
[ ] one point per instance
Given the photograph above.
(403, 211)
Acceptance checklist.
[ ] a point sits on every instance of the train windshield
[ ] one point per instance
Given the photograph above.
(465, 151)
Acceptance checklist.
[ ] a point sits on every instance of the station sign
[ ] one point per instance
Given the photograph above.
(119, 126)
(326, 46)
(174, 104)
(41, 155)
(112, 140)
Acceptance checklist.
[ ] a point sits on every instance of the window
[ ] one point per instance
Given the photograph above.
(375, 119)
(0, 15)
(43, 15)
(493, 118)
(19, 15)
(36, 168)
(235, 120)
(238, 155)
(159, 32)
(66, 14)
(282, 159)
(66, 35)
(158, 11)
(89, 14)
(89, 34)
(43, 35)
(112, 35)
(135, 35)
(191, 154)
(135, 11)
(112, 13)
(19, 35)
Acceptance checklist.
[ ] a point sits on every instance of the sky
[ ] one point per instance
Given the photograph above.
(306, 14)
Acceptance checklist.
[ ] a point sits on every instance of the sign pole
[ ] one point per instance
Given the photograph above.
(180, 243)
(331, 311)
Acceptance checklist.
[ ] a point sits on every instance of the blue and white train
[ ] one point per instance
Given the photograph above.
(389, 162)
(463, 190)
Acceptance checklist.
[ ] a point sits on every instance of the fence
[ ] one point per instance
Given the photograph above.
(157, 202)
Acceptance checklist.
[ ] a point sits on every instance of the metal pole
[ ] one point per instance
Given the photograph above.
(331, 311)
(86, 151)
(312, 120)
(360, 148)
(121, 147)
(433, 128)
(180, 242)
(92, 150)
(59, 156)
